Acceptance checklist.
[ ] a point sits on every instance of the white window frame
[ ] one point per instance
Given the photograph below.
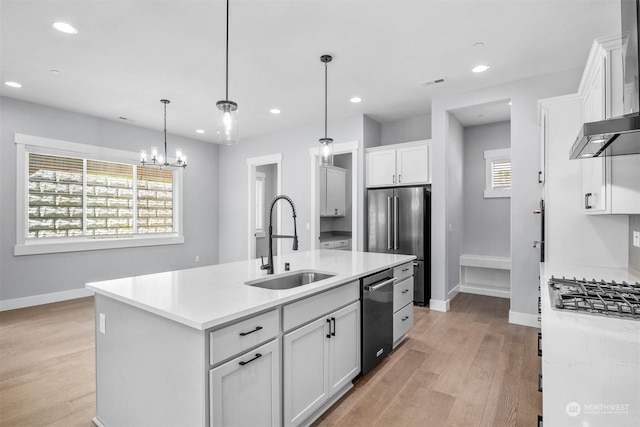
(260, 204)
(26, 144)
(491, 157)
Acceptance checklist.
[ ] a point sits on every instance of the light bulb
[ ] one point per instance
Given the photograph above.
(228, 123)
(184, 160)
(178, 154)
(154, 153)
(160, 159)
(143, 156)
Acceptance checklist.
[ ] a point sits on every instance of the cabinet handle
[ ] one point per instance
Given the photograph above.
(540, 383)
(399, 178)
(539, 420)
(405, 318)
(250, 360)
(336, 211)
(539, 343)
(394, 178)
(333, 319)
(329, 334)
(404, 291)
(242, 334)
(539, 177)
(405, 269)
(586, 201)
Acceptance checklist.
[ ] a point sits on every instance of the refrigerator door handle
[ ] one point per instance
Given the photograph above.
(395, 223)
(389, 223)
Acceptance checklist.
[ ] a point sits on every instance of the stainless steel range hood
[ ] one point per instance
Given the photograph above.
(613, 137)
(619, 135)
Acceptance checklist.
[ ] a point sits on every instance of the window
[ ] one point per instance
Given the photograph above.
(260, 204)
(80, 197)
(498, 173)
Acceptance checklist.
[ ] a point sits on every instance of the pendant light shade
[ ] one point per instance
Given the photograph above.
(326, 144)
(227, 114)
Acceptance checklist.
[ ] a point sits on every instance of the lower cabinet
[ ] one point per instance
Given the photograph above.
(320, 358)
(246, 390)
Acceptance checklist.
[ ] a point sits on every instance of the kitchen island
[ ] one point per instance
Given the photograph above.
(199, 347)
(590, 362)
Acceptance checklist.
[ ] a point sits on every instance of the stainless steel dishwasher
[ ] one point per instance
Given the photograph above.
(377, 318)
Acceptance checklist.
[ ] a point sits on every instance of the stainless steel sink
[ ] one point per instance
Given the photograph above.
(290, 280)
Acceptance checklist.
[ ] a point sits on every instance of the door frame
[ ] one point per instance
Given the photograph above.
(252, 162)
(350, 147)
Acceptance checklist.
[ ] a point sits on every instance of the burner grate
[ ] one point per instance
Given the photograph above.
(601, 297)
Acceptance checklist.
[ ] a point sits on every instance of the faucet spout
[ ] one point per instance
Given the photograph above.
(269, 265)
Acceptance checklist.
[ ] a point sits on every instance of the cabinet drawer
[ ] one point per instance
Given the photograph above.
(327, 245)
(402, 271)
(305, 310)
(402, 293)
(238, 337)
(402, 322)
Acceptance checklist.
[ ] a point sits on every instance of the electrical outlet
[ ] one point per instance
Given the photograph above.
(636, 239)
(103, 323)
(197, 258)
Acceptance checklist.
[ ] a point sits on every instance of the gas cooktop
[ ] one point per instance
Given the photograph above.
(596, 297)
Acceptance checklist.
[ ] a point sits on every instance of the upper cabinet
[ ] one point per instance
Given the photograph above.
(399, 164)
(332, 191)
(610, 185)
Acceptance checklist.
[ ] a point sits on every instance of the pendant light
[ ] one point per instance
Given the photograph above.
(157, 160)
(227, 116)
(326, 147)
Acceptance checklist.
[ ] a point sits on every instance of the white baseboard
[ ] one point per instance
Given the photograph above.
(31, 301)
(524, 319)
(453, 292)
(439, 305)
(470, 288)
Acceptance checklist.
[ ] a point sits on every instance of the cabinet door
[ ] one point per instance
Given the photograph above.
(306, 371)
(336, 182)
(413, 165)
(594, 185)
(381, 168)
(344, 346)
(246, 390)
(323, 191)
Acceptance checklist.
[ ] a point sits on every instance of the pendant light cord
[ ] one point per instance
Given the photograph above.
(325, 100)
(165, 130)
(227, 58)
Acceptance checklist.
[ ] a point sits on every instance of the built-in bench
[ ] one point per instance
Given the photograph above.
(485, 275)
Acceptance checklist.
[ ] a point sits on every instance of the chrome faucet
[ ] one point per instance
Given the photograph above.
(269, 265)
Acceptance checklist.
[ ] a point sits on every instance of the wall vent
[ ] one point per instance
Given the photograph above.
(432, 82)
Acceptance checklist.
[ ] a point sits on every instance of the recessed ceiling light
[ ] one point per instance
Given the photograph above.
(64, 27)
(480, 68)
(13, 84)
(54, 71)
(200, 131)
(479, 44)
(356, 99)
(274, 111)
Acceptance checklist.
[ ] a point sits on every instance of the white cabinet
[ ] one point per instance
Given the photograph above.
(332, 191)
(321, 358)
(342, 244)
(246, 390)
(402, 302)
(399, 164)
(610, 185)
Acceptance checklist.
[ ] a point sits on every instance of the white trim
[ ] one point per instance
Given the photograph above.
(36, 144)
(398, 145)
(485, 261)
(471, 288)
(524, 319)
(453, 292)
(252, 162)
(12, 304)
(350, 147)
(439, 305)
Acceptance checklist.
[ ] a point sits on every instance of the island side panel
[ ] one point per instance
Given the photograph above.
(150, 371)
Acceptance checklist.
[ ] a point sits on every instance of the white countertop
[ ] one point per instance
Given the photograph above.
(210, 296)
(590, 363)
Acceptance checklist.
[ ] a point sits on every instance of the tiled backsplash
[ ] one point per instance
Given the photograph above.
(634, 252)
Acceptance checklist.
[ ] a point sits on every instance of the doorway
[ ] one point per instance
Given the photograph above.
(264, 176)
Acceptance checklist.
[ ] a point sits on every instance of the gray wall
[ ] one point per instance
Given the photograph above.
(294, 144)
(25, 276)
(455, 199)
(487, 224)
(412, 129)
(634, 252)
(270, 183)
(525, 152)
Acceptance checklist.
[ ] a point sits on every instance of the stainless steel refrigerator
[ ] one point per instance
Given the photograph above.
(399, 222)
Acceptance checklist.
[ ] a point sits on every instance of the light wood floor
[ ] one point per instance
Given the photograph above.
(466, 367)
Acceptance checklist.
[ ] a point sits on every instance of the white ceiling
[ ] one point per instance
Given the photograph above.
(130, 54)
